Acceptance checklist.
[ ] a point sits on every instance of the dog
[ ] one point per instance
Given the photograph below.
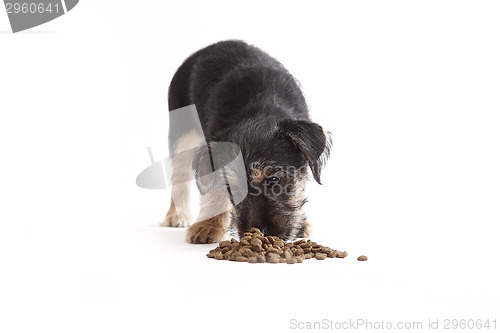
(244, 96)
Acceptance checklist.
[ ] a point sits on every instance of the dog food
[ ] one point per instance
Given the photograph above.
(362, 258)
(254, 247)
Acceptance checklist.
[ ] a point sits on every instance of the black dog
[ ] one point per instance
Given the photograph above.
(246, 97)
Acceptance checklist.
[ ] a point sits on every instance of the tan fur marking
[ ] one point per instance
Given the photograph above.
(307, 230)
(211, 230)
(298, 191)
(258, 174)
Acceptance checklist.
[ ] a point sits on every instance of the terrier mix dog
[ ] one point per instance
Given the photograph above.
(246, 97)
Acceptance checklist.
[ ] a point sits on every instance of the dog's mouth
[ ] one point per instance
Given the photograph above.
(255, 212)
(267, 232)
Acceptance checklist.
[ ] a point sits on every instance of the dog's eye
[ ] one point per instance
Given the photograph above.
(272, 181)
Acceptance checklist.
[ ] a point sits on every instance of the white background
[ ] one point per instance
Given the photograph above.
(410, 91)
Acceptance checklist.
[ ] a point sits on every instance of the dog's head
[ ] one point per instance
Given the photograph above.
(277, 157)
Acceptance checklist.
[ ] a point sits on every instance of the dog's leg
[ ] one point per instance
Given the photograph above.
(213, 219)
(179, 214)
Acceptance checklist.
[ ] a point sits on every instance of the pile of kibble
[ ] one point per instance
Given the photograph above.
(254, 247)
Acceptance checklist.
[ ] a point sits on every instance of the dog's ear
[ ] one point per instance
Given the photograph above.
(311, 140)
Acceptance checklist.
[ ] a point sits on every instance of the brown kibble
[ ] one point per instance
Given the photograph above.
(256, 241)
(235, 255)
(246, 252)
(299, 252)
(308, 255)
(273, 258)
(256, 231)
(272, 249)
(271, 239)
(320, 256)
(279, 243)
(254, 247)
(279, 249)
(252, 260)
(326, 250)
(362, 258)
(316, 249)
(302, 241)
(228, 254)
(332, 254)
(245, 240)
(224, 243)
(341, 254)
(260, 258)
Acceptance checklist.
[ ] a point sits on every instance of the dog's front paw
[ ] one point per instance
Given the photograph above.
(172, 219)
(206, 232)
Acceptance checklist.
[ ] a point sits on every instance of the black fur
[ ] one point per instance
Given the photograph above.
(245, 96)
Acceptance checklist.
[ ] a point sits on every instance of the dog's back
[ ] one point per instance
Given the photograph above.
(224, 78)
